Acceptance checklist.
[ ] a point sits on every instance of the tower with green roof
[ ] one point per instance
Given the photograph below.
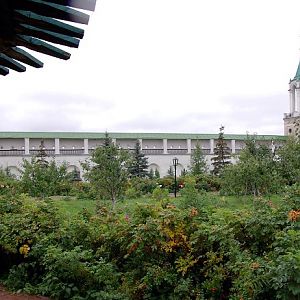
(292, 118)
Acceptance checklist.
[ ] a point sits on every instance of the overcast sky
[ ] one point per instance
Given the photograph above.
(165, 66)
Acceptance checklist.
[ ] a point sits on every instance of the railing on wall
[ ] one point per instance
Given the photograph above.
(12, 152)
(205, 151)
(153, 151)
(74, 152)
(35, 152)
(71, 151)
(177, 151)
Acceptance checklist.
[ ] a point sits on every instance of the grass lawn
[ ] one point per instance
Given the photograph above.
(71, 206)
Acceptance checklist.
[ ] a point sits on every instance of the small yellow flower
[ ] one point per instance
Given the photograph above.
(24, 250)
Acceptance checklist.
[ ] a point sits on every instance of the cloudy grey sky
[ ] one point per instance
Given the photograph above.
(165, 66)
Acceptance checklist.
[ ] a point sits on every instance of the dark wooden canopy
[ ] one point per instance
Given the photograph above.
(33, 23)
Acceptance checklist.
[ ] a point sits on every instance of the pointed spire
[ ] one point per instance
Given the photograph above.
(297, 76)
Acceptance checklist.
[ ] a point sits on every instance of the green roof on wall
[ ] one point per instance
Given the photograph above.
(125, 135)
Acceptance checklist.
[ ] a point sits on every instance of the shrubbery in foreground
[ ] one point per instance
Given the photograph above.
(157, 251)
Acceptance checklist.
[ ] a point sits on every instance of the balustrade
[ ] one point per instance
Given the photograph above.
(12, 152)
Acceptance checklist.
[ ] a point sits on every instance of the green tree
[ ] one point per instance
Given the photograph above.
(288, 161)
(107, 170)
(198, 163)
(170, 171)
(255, 172)
(151, 174)
(8, 183)
(184, 172)
(156, 174)
(221, 156)
(40, 179)
(41, 157)
(139, 163)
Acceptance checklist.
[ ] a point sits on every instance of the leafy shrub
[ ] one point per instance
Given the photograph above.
(160, 193)
(83, 191)
(156, 251)
(189, 194)
(132, 193)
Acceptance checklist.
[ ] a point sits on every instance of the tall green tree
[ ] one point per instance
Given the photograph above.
(41, 157)
(107, 170)
(139, 162)
(198, 163)
(222, 155)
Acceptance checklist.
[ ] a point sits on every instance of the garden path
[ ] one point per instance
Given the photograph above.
(5, 295)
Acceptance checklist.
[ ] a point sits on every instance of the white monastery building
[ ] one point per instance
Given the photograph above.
(74, 147)
(160, 148)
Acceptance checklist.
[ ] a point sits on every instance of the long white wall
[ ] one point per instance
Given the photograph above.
(160, 152)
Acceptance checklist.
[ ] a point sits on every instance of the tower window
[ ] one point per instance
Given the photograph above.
(290, 130)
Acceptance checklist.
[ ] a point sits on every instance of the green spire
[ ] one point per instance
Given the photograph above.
(297, 76)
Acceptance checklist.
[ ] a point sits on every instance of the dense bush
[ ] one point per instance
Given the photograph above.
(8, 184)
(83, 191)
(44, 179)
(156, 251)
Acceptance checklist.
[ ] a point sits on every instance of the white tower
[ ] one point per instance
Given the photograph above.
(294, 115)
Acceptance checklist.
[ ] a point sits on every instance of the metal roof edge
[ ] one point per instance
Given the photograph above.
(132, 135)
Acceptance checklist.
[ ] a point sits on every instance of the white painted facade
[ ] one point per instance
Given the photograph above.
(293, 117)
(159, 148)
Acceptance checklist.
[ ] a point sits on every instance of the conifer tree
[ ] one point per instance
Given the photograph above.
(221, 156)
(107, 170)
(198, 163)
(156, 174)
(41, 157)
(151, 174)
(170, 171)
(139, 163)
(107, 140)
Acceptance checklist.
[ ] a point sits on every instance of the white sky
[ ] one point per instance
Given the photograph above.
(165, 66)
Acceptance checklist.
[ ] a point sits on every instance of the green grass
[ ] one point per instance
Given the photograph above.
(71, 206)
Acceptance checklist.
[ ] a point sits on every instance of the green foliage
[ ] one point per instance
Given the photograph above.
(83, 190)
(160, 193)
(255, 172)
(8, 185)
(132, 193)
(156, 174)
(221, 156)
(154, 251)
(167, 182)
(288, 160)
(138, 166)
(140, 186)
(170, 171)
(189, 194)
(208, 183)
(151, 174)
(198, 163)
(41, 179)
(285, 270)
(107, 171)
